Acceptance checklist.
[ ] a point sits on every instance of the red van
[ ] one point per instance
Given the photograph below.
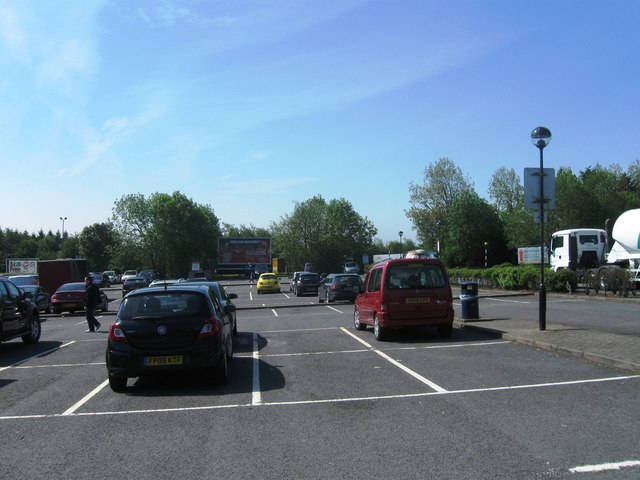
(408, 292)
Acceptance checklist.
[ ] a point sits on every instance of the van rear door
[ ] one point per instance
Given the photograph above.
(417, 293)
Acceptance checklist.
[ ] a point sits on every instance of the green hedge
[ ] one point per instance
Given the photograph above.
(524, 277)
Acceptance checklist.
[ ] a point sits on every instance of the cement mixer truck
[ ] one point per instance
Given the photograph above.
(585, 251)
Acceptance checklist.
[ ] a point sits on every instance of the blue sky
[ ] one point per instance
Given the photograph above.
(252, 105)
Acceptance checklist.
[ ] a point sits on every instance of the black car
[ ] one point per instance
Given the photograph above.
(169, 330)
(307, 283)
(101, 280)
(19, 316)
(223, 297)
(339, 286)
(39, 296)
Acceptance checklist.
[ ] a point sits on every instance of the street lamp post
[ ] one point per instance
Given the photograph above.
(400, 233)
(540, 137)
(63, 219)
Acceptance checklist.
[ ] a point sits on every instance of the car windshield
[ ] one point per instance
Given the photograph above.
(29, 288)
(268, 276)
(168, 305)
(416, 275)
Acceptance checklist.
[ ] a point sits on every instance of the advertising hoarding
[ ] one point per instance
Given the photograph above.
(243, 251)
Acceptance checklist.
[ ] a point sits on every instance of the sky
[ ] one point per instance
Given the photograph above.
(252, 106)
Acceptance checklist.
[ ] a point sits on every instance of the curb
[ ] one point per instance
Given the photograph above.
(550, 347)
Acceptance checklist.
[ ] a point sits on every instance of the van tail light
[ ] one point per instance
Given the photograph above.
(210, 328)
(116, 334)
(333, 287)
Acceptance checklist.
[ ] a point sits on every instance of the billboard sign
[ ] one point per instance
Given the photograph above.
(243, 251)
(22, 266)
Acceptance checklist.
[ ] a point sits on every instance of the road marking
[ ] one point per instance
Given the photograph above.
(256, 396)
(85, 399)
(323, 401)
(414, 374)
(335, 309)
(39, 355)
(605, 466)
(274, 312)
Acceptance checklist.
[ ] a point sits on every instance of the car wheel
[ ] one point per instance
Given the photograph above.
(34, 331)
(57, 312)
(445, 331)
(379, 332)
(118, 384)
(230, 349)
(356, 320)
(320, 300)
(48, 309)
(235, 327)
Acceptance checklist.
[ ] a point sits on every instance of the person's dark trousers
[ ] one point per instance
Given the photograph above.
(91, 319)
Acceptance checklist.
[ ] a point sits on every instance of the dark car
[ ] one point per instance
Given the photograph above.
(149, 275)
(133, 283)
(169, 330)
(307, 283)
(224, 298)
(70, 298)
(101, 280)
(339, 286)
(294, 279)
(19, 316)
(39, 296)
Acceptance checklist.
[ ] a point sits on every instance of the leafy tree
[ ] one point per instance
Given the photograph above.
(322, 233)
(507, 193)
(96, 244)
(472, 222)
(430, 202)
(166, 232)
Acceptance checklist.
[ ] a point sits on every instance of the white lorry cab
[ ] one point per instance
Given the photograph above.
(578, 248)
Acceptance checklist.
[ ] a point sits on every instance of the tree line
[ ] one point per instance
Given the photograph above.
(167, 232)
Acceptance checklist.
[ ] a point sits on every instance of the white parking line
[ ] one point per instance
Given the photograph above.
(273, 310)
(324, 401)
(415, 375)
(36, 356)
(256, 395)
(605, 467)
(71, 410)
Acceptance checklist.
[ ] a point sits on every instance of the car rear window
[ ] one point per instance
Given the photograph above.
(416, 275)
(72, 286)
(351, 280)
(310, 279)
(165, 304)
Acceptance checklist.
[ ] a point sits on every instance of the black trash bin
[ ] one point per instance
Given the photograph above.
(469, 300)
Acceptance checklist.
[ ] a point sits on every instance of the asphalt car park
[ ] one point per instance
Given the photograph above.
(308, 396)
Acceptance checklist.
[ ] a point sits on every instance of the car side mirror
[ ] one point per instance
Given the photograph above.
(231, 296)
(229, 309)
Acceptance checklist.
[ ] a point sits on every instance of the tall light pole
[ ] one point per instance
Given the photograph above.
(63, 219)
(400, 234)
(540, 137)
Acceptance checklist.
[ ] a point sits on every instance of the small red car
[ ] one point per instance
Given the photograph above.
(70, 298)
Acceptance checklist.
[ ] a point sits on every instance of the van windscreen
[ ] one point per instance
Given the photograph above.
(416, 275)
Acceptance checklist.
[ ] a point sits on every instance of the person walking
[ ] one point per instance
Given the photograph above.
(91, 301)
